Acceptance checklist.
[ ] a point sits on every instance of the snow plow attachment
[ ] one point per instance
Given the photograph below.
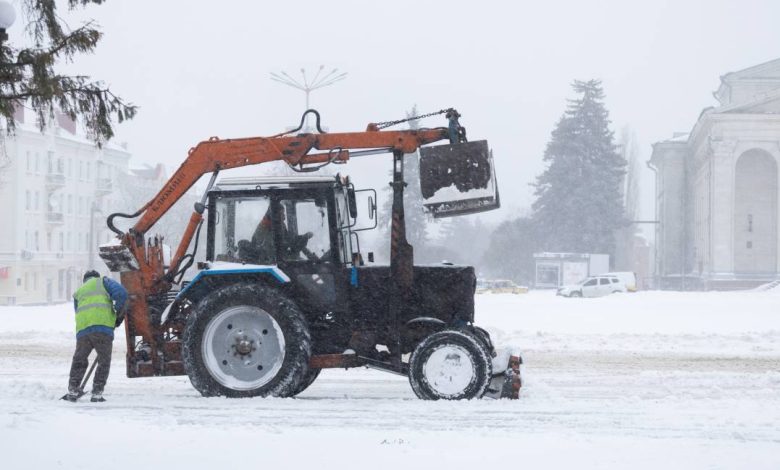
(507, 380)
(458, 179)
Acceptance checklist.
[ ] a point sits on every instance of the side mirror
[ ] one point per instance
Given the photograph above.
(371, 208)
(352, 203)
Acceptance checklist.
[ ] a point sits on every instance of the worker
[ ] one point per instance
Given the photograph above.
(99, 304)
(262, 249)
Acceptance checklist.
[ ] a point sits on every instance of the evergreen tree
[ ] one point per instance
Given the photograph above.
(579, 201)
(28, 75)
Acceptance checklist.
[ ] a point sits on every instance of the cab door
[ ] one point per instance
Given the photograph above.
(308, 251)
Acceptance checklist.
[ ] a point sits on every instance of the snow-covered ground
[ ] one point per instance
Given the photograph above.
(646, 380)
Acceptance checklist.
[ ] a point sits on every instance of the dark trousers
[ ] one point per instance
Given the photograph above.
(101, 343)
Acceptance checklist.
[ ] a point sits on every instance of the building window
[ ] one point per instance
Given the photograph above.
(29, 162)
(88, 170)
(81, 170)
(37, 242)
(62, 242)
(48, 241)
(70, 204)
(35, 281)
(28, 199)
(27, 281)
(36, 200)
(26, 240)
(70, 241)
(37, 163)
(70, 167)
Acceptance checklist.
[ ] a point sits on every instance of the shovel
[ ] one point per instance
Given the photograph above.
(83, 382)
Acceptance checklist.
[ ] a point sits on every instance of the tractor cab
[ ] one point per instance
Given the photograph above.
(285, 221)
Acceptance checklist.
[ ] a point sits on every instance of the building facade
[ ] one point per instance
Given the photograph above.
(56, 188)
(717, 189)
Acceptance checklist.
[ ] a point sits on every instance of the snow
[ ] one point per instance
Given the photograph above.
(645, 380)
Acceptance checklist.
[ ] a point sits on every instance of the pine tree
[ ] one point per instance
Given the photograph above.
(28, 75)
(579, 195)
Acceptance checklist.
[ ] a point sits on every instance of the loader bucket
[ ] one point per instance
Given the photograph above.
(458, 179)
(118, 258)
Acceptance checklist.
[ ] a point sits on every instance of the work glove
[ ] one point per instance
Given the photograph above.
(120, 316)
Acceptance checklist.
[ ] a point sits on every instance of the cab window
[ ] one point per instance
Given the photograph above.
(304, 229)
(239, 230)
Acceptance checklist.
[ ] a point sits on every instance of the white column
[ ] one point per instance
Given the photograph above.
(723, 206)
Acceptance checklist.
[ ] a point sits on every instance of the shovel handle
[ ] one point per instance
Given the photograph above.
(89, 374)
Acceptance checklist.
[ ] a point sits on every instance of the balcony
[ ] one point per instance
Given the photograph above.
(55, 217)
(103, 186)
(55, 180)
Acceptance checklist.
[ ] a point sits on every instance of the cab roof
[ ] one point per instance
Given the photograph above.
(266, 182)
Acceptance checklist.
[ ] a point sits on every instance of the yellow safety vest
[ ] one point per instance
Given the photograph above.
(93, 305)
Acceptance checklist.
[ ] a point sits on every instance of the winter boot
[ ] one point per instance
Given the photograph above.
(71, 397)
(97, 398)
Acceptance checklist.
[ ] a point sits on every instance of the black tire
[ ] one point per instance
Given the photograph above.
(576, 294)
(288, 367)
(459, 342)
(311, 376)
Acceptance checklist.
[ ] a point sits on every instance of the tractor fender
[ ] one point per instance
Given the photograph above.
(426, 321)
(222, 274)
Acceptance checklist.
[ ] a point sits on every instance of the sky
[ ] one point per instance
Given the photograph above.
(198, 69)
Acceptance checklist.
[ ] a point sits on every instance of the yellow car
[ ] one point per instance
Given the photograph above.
(500, 286)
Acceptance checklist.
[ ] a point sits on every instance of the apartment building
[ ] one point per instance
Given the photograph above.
(56, 188)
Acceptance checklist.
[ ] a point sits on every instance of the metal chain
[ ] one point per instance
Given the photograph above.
(385, 124)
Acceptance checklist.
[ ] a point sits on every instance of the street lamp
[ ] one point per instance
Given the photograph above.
(7, 18)
(308, 84)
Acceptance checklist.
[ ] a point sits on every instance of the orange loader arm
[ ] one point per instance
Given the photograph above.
(217, 154)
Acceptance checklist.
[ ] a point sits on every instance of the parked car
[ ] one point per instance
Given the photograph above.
(628, 278)
(594, 286)
(499, 286)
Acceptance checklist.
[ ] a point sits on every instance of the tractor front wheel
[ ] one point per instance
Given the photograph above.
(450, 365)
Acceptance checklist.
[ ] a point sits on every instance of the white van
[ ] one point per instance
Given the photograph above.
(627, 278)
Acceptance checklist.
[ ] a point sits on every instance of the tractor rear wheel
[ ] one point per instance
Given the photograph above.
(450, 365)
(246, 340)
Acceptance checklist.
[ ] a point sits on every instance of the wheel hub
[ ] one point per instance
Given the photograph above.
(449, 370)
(243, 347)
